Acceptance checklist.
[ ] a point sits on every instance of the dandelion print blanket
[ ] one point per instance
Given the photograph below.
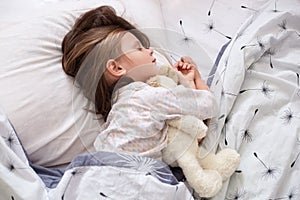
(100, 175)
(258, 93)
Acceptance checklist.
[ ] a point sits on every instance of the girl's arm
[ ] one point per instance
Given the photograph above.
(189, 70)
(178, 101)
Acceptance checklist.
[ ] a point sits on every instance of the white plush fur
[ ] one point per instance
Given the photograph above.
(203, 170)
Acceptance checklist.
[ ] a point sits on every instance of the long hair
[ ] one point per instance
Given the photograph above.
(93, 40)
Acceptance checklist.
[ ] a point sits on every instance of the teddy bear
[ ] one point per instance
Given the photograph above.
(204, 171)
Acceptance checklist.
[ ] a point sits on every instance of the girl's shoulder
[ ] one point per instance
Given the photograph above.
(141, 90)
(134, 86)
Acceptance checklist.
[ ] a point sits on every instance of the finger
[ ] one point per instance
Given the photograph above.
(175, 66)
(182, 59)
(181, 64)
(187, 59)
(185, 65)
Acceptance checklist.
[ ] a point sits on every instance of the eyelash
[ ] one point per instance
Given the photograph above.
(140, 48)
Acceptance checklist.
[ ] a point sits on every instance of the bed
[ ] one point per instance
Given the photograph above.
(248, 52)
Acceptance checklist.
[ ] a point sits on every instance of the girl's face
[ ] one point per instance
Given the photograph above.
(135, 54)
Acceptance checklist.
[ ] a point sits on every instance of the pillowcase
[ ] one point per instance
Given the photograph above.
(45, 107)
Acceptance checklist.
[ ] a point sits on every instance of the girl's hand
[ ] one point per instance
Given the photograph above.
(189, 70)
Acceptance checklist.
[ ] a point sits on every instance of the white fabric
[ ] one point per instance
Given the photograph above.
(19, 181)
(8, 134)
(120, 184)
(13, 159)
(138, 116)
(258, 94)
(226, 16)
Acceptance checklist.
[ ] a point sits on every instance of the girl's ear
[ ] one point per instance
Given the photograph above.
(115, 69)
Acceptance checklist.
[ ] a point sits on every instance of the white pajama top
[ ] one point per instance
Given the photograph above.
(136, 122)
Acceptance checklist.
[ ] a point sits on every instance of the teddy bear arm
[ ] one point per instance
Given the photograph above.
(225, 161)
(190, 125)
(207, 183)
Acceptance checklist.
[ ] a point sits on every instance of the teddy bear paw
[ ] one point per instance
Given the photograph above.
(228, 161)
(208, 183)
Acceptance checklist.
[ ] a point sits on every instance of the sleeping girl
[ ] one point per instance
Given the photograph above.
(111, 60)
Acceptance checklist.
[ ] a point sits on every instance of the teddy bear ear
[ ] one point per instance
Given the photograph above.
(168, 71)
(174, 75)
(153, 81)
(163, 70)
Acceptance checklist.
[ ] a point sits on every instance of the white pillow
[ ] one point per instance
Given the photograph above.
(38, 97)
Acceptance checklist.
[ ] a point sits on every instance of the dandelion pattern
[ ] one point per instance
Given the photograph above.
(292, 195)
(264, 107)
(227, 119)
(210, 8)
(258, 43)
(288, 116)
(11, 139)
(186, 39)
(295, 160)
(12, 166)
(246, 133)
(275, 10)
(293, 163)
(282, 25)
(147, 165)
(269, 172)
(238, 194)
(248, 8)
(265, 90)
(269, 53)
(74, 172)
(211, 27)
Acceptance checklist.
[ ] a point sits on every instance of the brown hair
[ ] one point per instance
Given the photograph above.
(93, 40)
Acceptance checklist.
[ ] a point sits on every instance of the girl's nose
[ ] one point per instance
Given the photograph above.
(151, 52)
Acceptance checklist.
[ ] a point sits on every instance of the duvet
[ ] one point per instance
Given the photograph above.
(257, 84)
(100, 175)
